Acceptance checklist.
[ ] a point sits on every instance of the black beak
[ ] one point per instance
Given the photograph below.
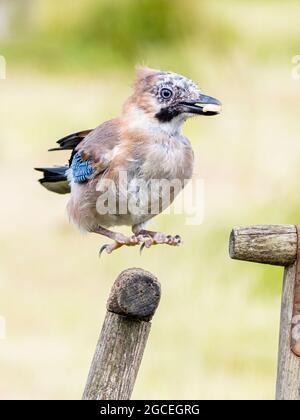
(205, 105)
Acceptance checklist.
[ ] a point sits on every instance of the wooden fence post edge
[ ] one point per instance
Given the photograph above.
(134, 297)
(277, 245)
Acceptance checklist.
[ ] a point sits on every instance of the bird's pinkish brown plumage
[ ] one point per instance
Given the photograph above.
(145, 143)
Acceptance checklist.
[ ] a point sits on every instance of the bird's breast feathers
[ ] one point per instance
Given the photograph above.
(139, 155)
(169, 159)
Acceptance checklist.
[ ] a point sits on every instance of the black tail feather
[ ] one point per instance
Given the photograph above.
(55, 179)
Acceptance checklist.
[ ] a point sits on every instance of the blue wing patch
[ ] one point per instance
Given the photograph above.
(82, 170)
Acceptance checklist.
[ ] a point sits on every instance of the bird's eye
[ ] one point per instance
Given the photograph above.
(166, 93)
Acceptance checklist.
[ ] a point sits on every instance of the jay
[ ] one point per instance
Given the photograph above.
(143, 144)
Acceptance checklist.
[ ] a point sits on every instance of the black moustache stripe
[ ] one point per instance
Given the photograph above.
(167, 114)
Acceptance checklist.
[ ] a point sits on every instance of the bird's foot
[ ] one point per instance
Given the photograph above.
(158, 238)
(119, 241)
(144, 239)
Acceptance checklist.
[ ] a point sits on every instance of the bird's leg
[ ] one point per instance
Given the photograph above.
(118, 238)
(149, 238)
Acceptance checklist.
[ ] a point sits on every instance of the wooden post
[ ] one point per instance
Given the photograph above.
(278, 245)
(132, 303)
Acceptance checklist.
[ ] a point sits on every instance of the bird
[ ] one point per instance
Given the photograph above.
(112, 168)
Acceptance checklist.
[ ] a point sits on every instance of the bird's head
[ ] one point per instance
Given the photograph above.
(168, 98)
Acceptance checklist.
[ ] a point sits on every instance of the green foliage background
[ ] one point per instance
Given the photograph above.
(70, 65)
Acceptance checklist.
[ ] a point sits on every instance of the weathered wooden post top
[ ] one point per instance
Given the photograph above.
(134, 298)
(278, 245)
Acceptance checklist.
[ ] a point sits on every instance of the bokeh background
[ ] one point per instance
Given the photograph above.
(70, 65)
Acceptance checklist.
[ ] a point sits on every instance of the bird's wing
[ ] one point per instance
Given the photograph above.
(94, 153)
(70, 142)
(82, 170)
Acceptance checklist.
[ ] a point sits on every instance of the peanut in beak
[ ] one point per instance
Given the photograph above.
(212, 108)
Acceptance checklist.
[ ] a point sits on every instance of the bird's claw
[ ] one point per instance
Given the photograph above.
(144, 240)
(142, 247)
(120, 240)
(109, 248)
(102, 249)
(161, 238)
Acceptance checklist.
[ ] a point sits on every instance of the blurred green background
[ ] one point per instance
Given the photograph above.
(70, 65)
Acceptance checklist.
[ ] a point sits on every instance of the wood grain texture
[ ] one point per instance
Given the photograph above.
(117, 358)
(266, 244)
(133, 300)
(135, 293)
(288, 375)
(295, 332)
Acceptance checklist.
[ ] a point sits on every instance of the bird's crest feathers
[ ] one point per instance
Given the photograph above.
(144, 76)
(142, 72)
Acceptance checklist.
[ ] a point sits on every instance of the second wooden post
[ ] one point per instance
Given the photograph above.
(278, 245)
